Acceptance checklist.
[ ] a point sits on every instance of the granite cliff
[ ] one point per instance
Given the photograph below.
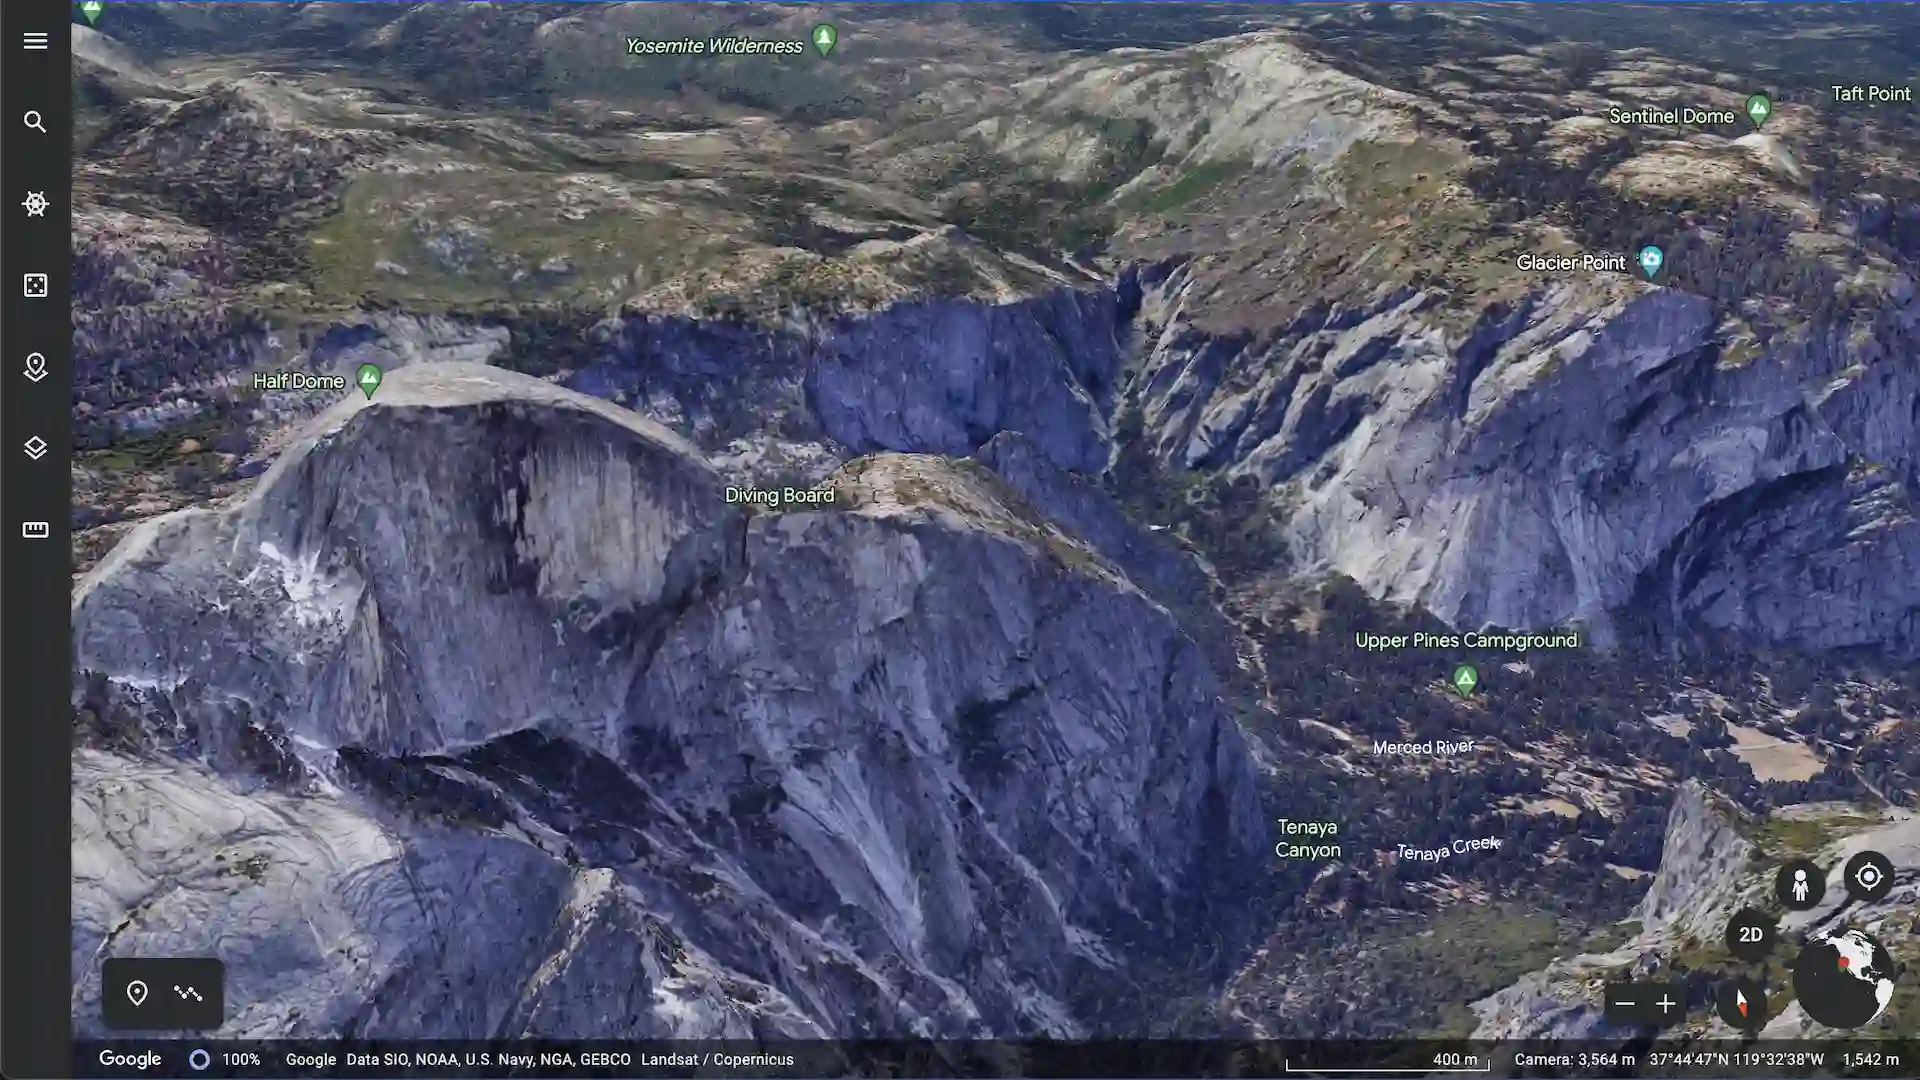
(1572, 458)
(1290, 256)
(1718, 860)
(486, 693)
(1150, 356)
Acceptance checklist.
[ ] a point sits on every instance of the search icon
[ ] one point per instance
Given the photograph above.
(33, 121)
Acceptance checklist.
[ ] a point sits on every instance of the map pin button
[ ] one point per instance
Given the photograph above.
(137, 993)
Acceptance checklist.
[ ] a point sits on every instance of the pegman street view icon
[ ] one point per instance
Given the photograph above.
(1799, 885)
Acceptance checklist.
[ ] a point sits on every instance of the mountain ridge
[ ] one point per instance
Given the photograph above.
(1153, 361)
(1050, 779)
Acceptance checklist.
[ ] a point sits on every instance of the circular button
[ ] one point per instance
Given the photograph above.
(1869, 876)
(1742, 1004)
(1844, 978)
(1751, 935)
(1800, 884)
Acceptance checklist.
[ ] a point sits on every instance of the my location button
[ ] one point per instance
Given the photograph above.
(1869, 877)
(163, 993)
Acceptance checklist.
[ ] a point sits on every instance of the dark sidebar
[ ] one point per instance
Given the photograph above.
(36, 392)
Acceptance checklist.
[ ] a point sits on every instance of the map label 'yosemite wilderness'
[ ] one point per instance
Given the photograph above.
(636, 522)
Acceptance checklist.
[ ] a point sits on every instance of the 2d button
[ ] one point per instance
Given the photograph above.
(1800, 884)
(1751, 935)
(1868, 876)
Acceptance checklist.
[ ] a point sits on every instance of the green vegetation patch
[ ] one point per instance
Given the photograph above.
(1473, 952)
(1028, 208)
(1431, 967)
(1781, 838)
(157, 449)
(590, 63)
(1384, 216)
(489, 236)
(1191, 185)
(1709, 962)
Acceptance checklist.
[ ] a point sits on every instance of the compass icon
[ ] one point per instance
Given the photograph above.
(36, 204)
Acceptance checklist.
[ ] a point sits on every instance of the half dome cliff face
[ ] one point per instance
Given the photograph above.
(915, 497)
(917, 761)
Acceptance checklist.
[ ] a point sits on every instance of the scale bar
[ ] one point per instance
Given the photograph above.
(1287, 1066)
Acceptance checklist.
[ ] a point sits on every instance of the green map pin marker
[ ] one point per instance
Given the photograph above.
(92, 9)
(369, 379)
(1465, 679)
(1759, 107)
(825, 37)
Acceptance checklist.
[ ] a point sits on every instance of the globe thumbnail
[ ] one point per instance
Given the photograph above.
(1844, 979)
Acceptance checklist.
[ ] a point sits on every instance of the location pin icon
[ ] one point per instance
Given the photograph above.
(137, 993)
(1650, 259)
(825, 37)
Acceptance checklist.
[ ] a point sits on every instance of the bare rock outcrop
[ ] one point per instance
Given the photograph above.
(1712, 866)
(1705, 861)
(488, 662)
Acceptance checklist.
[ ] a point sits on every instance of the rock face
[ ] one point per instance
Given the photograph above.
(1710, 868)
(1044, 366)
(1582, 455)
(1312, 287)
(932, 377)
(487, 715)
(1704, 863)
(1575, 459)
(333, 921)
(1585, 455)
